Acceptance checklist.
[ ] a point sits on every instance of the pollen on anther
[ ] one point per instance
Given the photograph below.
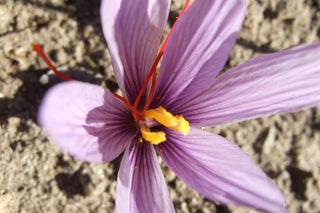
(161, 150)
(135, 167)
(153, 28)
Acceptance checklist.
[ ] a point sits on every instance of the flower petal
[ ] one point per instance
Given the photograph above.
(140, 185)
(220, 170)
(280, 82)
(133, 30)
(86, 121)
(198, 48)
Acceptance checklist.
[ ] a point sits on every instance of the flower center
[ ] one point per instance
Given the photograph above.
(162, 116)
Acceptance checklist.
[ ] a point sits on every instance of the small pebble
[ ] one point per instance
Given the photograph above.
(14, 123)
(184, 207)
(270, 140)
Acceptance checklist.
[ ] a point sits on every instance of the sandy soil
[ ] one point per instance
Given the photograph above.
(36, 176)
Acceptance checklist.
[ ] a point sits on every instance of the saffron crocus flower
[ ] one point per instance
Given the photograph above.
(94, 125)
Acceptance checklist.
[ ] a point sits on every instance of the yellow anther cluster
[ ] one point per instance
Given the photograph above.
(175, 122)
(153, 137)
(161, 115)
(182, 126)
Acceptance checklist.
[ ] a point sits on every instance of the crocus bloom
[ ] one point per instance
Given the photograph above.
(94, 125)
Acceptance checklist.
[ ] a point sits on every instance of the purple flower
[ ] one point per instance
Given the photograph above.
(91, 124)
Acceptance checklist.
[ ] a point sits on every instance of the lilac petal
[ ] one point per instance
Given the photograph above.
(280, 82)
(140, 185)
(198, 48)
(220, 170)
(133, 30)
(86, 121)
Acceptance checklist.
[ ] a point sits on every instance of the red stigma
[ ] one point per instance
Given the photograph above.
(38, 49)
(153, 71)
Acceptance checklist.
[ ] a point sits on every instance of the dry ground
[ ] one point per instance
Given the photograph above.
(36, 176)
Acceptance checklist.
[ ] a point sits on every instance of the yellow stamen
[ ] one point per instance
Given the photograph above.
(177, 123)
(153, 137)
(183, 125)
